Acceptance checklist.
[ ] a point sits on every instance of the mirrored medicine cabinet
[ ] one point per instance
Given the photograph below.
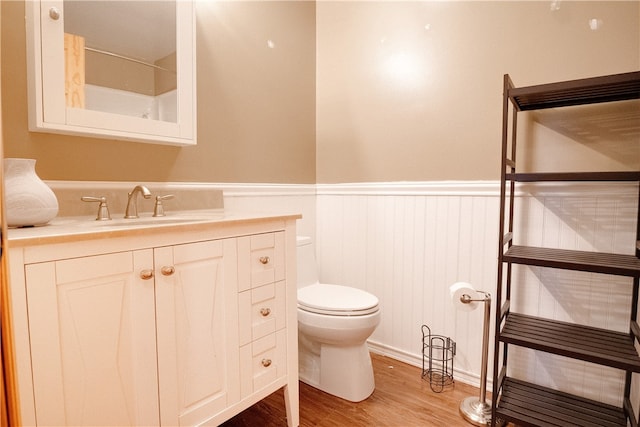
(113, 69)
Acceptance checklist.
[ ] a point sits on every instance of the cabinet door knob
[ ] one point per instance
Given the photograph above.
(264, 260)
(146, 274)
(266, 362)
(265, 311)
(54, 13)
(167, 270)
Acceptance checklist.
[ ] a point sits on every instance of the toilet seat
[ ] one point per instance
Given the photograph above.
(336, 300)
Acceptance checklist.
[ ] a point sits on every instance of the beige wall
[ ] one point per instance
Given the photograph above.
(406, 91)
(256, 104)
(411, 91)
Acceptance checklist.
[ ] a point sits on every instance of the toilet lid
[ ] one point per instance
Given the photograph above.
(336, 300)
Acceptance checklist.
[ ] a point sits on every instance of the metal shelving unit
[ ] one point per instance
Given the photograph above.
(524, 403)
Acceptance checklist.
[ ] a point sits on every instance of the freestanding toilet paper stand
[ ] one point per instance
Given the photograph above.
(476, 410)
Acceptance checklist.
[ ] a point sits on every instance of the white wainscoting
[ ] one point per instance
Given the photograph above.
(408, 242)
(274, 198)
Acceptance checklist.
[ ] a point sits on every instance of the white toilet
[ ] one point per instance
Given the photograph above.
(334, 323)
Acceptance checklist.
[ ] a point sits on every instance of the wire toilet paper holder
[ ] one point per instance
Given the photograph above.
(476, 410)
(437, 359)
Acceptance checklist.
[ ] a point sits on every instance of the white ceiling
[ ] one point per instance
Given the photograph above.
(143, 29)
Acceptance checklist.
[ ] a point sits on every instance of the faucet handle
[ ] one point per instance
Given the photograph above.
(103, 209)
(158, 209)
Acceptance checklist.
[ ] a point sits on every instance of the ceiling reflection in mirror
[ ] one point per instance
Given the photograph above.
(120, 57)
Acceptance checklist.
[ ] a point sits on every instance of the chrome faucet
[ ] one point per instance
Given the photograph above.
(132, 201)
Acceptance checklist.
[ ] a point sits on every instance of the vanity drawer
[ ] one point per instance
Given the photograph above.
(261, 311)
(262, 362)
(263, 258)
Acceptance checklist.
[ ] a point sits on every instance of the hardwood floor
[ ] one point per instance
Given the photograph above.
(401, 399)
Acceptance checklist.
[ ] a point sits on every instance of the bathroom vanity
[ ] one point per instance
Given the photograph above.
(180, 320)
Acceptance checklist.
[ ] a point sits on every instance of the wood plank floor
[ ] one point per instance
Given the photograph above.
(401, 399)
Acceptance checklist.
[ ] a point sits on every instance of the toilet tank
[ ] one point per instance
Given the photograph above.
(307, 267)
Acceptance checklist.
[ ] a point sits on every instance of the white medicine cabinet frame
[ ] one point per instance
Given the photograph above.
(48, 110)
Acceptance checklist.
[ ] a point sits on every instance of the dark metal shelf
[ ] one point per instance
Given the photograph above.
(594, 262)
(586, 343)
(527, 404)
(615, 87)
(573, 176)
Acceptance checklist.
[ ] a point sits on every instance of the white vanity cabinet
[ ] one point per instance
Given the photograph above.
(176, 328)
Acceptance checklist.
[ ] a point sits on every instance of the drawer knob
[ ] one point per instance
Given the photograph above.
(146, 274)
(266, 362)
(167, 270)
(265, 311)
(264, 260)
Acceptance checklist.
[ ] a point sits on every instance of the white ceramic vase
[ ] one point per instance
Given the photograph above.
(28, 200)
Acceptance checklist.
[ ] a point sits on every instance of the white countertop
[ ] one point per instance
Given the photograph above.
(68, 229)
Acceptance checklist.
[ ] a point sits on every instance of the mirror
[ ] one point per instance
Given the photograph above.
(119, 69)
(120, 57)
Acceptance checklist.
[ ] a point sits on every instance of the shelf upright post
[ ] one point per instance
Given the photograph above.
(509, 163)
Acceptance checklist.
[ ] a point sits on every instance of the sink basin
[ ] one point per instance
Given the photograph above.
(148, 221)
(84, 223)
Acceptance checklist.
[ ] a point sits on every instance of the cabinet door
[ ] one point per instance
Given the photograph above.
(92, 332)
(197, 315)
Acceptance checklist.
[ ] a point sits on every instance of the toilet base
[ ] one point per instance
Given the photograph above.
(342, 371)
